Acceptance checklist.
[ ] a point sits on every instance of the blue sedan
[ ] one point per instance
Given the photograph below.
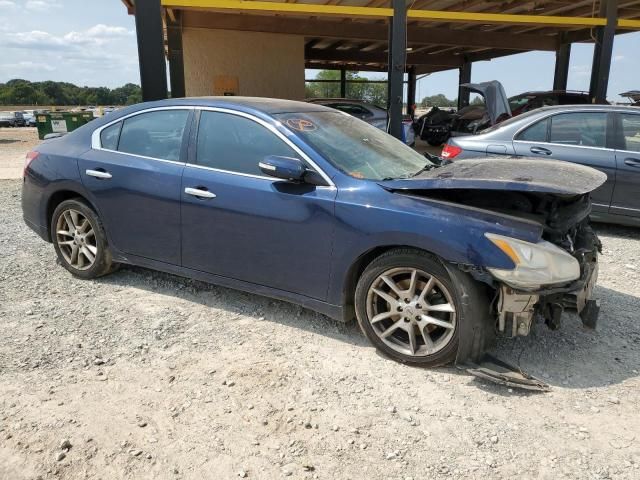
(304, 203)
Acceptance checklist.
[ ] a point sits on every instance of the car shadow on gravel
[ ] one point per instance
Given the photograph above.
(236, 302)
(578, 357)
(571, 357)
(619, 231)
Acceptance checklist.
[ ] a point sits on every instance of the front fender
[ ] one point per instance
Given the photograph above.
(455, 233)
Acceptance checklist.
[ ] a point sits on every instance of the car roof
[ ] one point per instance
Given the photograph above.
(513, 124)
(554, 92)
(587, 107)
(341, 100)
(268, 106)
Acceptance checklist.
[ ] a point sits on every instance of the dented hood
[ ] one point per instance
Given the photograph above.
(507, 174)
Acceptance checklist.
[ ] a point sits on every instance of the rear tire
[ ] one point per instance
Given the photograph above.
(79, 240)
(407, 306)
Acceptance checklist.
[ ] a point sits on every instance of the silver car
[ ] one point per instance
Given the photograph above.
(604, 137)
(368, 112)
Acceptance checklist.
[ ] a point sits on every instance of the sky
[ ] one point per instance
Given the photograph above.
(93, 43)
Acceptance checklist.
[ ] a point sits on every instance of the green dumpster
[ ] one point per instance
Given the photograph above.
(61, 122)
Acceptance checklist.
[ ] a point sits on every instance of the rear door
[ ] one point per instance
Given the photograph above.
(239, 223)
(626, 195)
(578, 137)
(133, 172)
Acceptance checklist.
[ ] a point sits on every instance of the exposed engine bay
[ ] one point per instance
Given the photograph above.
(565, 224)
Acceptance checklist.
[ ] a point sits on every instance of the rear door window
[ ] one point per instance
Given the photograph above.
(535, 133)
(631, 132)
(236, 144)
(156, 134)
(588, 129)
(110, 135)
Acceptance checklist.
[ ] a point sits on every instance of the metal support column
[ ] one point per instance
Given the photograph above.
(464, 77)
(411, 90)
(343, 82)
(397, 58)
(153, 67)
(176, 61)
(602, 52)
(561, 74)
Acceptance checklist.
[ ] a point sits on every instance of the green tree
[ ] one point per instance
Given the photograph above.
(24, 92)
(358, 88)
(438, 100)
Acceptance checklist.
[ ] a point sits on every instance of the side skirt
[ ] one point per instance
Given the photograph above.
(333, 311)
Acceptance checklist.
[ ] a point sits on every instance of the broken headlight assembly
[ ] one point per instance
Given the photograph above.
(535, 264)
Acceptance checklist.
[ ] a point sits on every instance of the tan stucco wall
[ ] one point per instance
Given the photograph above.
(266, 64)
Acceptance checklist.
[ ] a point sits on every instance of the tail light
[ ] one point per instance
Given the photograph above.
(450, 151)
(31, 156)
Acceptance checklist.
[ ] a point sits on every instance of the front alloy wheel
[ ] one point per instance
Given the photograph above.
(408, 307)
(411, 311)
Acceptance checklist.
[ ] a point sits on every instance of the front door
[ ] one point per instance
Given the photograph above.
(241, 224)
(134, 177)
(626, 195)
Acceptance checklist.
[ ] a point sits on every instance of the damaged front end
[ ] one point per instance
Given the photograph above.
(555, 274)
(517, 308)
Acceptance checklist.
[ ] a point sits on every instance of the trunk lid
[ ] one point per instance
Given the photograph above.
(495, 98)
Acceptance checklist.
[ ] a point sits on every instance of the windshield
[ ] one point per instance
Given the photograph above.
(519, 101)
(353, 146)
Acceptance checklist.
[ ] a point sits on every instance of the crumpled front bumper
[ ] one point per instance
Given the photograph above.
(517, 310)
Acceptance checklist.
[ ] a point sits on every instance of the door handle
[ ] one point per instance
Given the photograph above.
(199, 192)
(540, 150)
(632, 162)
(98, 174)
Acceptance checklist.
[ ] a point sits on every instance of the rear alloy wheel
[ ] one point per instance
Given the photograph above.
(79, 240)
(76, 239)
(406, 306)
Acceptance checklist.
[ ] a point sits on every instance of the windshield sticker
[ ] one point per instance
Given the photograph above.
(301, 125)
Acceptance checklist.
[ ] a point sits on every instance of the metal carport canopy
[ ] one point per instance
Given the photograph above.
(435, 35)
(463, 30)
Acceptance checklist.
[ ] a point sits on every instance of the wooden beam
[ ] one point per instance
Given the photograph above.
(358, 56)
(131, 9)
(312, 27)
(378, 12)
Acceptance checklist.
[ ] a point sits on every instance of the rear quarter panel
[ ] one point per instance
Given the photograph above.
(54, 170)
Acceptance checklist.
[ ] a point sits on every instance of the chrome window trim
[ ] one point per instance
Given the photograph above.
(273, 130)
(141, 156)
(632, 152)
(559, 112)
(624, 208)
(97, 145)
(564, 145)
(249, 175)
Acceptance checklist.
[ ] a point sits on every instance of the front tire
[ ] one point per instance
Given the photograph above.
(408, 307)
(79, 240)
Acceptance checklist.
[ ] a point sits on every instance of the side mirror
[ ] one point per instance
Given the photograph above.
(286, 168)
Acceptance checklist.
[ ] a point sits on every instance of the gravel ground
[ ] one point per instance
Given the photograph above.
(146, 375)
(14, 144)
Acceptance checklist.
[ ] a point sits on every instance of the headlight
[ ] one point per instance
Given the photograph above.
(536, 264)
